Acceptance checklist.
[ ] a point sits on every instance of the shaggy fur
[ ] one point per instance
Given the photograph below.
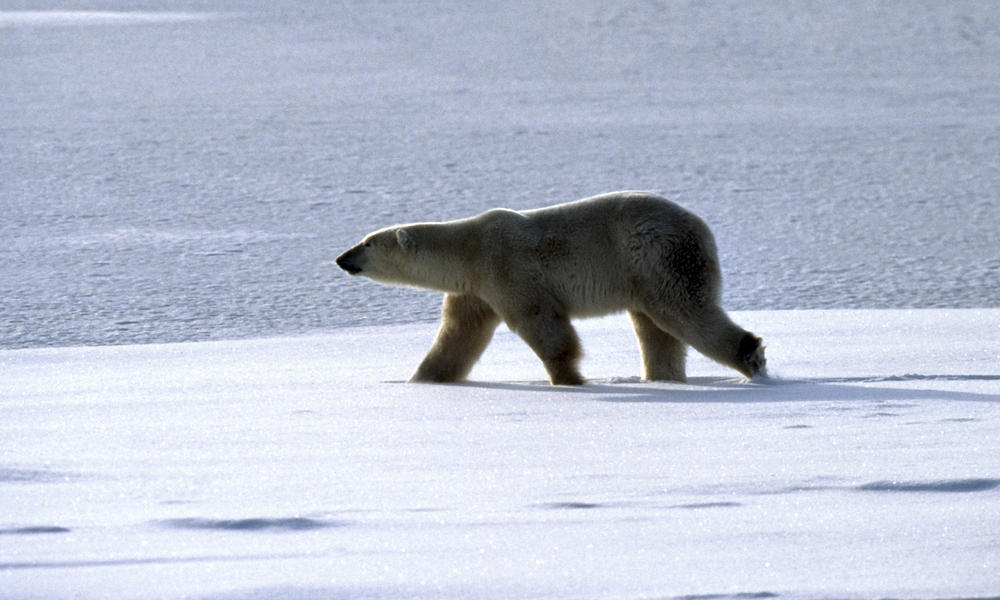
(537, 269)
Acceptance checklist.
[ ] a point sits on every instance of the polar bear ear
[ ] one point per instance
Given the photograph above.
(404, 239)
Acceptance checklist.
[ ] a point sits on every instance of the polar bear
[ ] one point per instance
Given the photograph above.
(537, 269)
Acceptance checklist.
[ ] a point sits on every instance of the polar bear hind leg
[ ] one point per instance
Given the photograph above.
(663, 355)
(710, 331)
(467, 326)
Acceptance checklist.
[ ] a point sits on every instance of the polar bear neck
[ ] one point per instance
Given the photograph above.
(446, 256)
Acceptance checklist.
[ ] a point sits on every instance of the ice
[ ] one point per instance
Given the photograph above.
(181, 171)
(67, 18)
(306, 468)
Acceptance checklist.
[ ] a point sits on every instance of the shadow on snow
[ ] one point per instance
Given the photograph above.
(721, 389)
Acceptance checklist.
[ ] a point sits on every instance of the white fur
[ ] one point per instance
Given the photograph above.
(537, 269)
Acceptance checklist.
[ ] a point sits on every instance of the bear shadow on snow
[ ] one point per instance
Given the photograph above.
(720, 389)
(535, 270)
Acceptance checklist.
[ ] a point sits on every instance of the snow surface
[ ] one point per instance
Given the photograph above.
(304, 468)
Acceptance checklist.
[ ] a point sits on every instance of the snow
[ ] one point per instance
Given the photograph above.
(305, 468)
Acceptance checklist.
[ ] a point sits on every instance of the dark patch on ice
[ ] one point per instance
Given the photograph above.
(34, 530)
(944, 485)
(960, 420)
(919, 377)
(795, 489)
(257, 524)
(380, 591)
(736, 596)
(697, 505)
(792, 489)
(572, 505)
(960, 598)
(800, 426)
(128, 562)
(895, 378)
(34, 476)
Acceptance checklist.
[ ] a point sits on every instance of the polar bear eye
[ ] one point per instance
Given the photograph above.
(367, 244)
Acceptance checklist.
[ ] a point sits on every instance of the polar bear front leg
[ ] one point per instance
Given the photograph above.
(551, 335)
(467, 326)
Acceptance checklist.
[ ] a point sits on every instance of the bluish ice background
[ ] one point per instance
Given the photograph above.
(191, 174)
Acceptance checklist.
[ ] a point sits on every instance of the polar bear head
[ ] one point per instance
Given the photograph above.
(385, 255)
(435, 256)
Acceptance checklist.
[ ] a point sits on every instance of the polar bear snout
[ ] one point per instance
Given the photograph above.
(353, 260)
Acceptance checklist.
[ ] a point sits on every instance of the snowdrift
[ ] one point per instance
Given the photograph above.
(301, 468)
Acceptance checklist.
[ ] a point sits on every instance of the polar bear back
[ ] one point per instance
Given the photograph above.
(604, 253)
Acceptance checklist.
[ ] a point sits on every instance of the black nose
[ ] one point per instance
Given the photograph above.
(346, 262)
